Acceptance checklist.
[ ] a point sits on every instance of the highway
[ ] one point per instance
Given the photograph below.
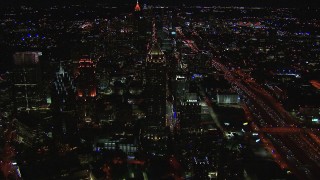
(292, 147)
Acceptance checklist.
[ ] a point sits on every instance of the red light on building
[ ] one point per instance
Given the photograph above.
(137, 7)
(93, 92)
(86, 60)
(86, 84)
(80, 94)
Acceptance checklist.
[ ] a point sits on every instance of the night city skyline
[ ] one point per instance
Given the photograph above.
(159, 90)
(249, 3)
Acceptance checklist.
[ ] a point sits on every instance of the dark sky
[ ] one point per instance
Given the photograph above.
(277, 3)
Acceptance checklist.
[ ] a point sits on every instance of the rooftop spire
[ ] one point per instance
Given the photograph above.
(61, 70)
(137, 7)
(154, 32)
(155, 48)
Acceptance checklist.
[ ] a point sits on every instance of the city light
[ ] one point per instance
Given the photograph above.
(159, 90)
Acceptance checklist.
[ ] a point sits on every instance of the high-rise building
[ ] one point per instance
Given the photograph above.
(156, 82)
(86, 85)
(190, 110)
(86, 89)
(140, 25)
(63, 104)
(26, 79)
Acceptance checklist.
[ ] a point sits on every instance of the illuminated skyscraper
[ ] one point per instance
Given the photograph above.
(26, 79)
(156, 79)
(86, 89)
(86, 85)
(63, 104)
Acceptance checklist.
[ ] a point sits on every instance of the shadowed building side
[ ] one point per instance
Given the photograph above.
(156, 85)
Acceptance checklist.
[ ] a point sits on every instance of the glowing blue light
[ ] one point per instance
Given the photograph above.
(174, 114)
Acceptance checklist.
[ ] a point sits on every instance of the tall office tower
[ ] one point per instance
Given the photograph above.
(26, 79)
(86, 83)
(190, 111)
(140, 26)
(63, 104)
(156, 82)
(86, 88)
